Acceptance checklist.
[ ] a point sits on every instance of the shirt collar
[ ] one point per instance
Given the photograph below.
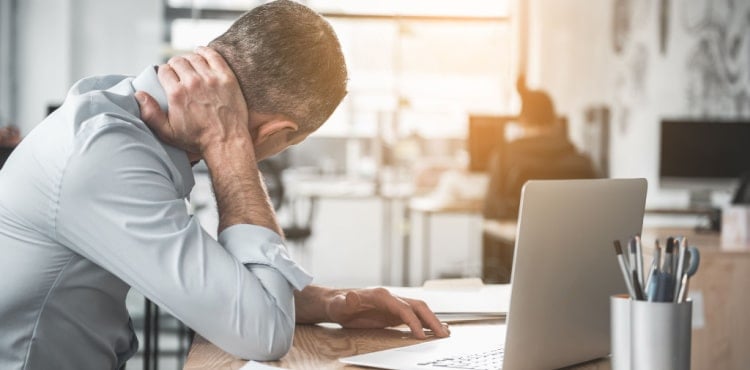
(148, 82)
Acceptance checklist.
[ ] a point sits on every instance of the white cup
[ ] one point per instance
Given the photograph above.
(619, 318)
(650, 335)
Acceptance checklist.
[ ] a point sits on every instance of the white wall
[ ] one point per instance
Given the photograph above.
(62, 41)
(572, 55)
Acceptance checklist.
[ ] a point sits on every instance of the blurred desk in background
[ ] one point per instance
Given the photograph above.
(386, 234)
(429, 207)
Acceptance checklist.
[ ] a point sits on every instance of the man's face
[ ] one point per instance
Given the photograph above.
(271, 134)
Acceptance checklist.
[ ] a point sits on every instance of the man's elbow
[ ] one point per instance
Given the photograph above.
(276, 347)
(271, 344)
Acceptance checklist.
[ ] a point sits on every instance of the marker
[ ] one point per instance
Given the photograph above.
(668, 264)
(624, 269)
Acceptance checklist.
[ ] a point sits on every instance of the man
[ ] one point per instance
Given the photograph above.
(92, 203)
(539, 150)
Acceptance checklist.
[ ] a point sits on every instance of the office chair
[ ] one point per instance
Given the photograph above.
(518, 162)
(576, 166)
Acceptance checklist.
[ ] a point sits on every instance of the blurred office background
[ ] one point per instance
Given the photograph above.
(391, 190)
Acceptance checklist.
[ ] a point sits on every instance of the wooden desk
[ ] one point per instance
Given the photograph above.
(723, 280)
(319, 348)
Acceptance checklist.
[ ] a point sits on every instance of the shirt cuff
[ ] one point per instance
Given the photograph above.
(252, 244)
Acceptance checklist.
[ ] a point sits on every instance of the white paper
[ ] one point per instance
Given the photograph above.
(488, 299)
(254, 365)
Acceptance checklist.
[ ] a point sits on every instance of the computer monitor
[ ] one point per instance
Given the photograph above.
(703, 155)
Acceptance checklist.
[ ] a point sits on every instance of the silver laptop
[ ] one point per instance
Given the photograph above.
(564, 271)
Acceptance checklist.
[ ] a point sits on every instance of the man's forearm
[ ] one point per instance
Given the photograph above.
(311, 304)
(240, 193)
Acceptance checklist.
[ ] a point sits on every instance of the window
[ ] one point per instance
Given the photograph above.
(416, 66)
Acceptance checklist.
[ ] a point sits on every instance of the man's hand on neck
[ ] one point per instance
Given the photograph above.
(208, 118)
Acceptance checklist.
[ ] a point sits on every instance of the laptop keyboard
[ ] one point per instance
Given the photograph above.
(490, 360)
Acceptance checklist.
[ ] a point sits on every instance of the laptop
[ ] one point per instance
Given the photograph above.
(564, 271)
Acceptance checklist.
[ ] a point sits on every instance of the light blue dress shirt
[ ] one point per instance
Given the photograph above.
(92, 204)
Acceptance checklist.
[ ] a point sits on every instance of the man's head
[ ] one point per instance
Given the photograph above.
(289, 65)
(537, 108)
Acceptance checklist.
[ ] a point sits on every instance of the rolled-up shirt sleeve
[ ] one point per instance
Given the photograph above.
(119, 206)
(270, 252)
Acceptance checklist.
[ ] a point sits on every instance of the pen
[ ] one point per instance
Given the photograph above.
(624, 269)
(676, 254)
(666, 288)
(655, 261)
(639, 295)
(631, 257)
(633, 265)
(658, 255)
(680, 268)
(667, 265)
(639, 260)
(653, 292)
(635, 271)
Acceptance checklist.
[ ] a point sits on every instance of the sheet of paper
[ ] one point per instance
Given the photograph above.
(253, 365)
(487, 299)
(466, 317)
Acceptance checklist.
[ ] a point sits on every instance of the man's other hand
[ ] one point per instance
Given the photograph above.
(378, 308)
(206, 105)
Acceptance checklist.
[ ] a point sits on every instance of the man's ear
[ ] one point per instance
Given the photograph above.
(268, 129)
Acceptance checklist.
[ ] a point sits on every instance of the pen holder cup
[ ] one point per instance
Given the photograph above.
(650, 335)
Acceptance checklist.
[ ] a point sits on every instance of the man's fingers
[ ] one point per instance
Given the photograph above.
(199, 64)
(214, 59)
(428, 317)
(401, 309)
(152, 114)
(167, 76)
(377, 307)
(411, 320)
(184, 70)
